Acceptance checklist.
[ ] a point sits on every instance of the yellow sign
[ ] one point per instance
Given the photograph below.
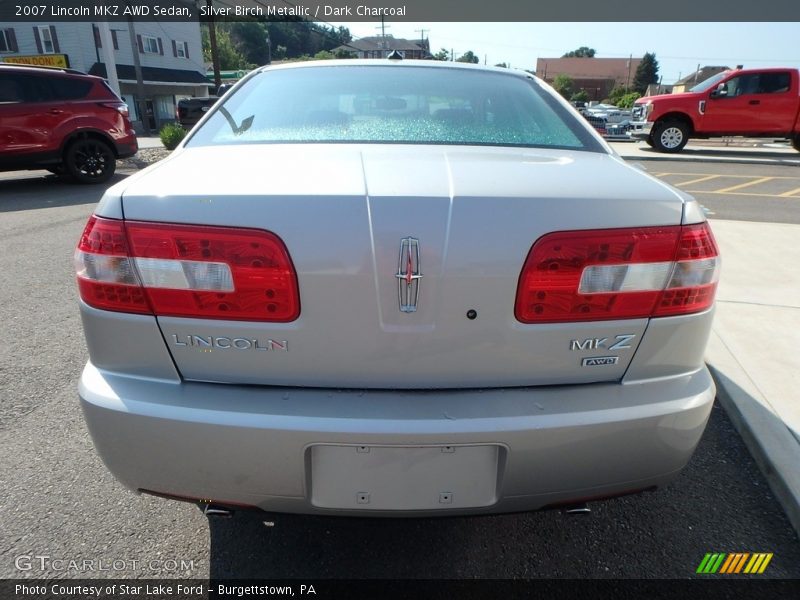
(40, 60)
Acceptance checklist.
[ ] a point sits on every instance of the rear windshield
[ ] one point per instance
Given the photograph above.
(393, 104)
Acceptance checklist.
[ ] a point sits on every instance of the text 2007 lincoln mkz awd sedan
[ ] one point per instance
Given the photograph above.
(392, 288)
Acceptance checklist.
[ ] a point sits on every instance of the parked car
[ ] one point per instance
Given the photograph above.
(421, 288)
(62, 120)
(190, 110)
(747, 102)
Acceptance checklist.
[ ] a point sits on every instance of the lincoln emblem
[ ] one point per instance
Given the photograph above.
(408, 275)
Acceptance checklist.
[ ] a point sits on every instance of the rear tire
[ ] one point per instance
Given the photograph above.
(90, 160)
(670, 136)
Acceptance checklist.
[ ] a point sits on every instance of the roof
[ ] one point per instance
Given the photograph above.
(588, 68)
(369, 44)
(128, 73)
(703, 74)
(397, 63)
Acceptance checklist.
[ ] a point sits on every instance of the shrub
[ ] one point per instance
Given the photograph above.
(171, 135)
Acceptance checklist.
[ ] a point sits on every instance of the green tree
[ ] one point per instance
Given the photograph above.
(468, 57)
(563, 85)
(582, 52)
(627, 100)
(442, 54)
(646, 73)
(580, 96)
(230, 59)
(250, 40)
(617, 94)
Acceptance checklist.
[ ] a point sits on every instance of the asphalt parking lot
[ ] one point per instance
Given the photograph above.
(59, 501)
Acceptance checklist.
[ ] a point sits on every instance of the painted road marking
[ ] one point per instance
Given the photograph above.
(791, 193)
(698, 180)
(743, 185)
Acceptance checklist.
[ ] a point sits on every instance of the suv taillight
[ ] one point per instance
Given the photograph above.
(618, 274)
(120, 107)
(186, 271)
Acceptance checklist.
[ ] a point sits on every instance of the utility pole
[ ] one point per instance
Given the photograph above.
(212, 39)
(108, 56)
(696, 73)
(422, 33)
(383, 36)
(141, 106)
(628, 83)
(452, 55)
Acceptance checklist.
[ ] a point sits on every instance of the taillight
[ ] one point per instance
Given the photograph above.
(618, 274)
(186, 271)
(120, 107)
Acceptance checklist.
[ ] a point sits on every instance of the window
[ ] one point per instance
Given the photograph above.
(46, 37)
(409, 105)
(180, 49)
(69, 88)
(774, 83)
(8, 41)
(10, 89)
(19, 87)
(149, 44)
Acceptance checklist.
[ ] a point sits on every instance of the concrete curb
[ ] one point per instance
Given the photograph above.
(773, 446)
(744, 160)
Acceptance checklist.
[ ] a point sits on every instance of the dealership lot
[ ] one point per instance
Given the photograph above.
(60, 501)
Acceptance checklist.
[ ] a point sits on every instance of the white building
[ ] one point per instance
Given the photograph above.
(170, 54)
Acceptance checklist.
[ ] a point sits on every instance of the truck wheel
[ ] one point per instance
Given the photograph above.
(670, 136)
(796, 142)
(649, 140)
(90, 160)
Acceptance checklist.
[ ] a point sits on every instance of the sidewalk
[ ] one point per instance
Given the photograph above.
(754, 350)
(706, 151)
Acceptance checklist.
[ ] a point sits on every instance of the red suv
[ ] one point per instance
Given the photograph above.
(62, 120)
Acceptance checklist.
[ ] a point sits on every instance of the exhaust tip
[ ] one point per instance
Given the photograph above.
(577, 509)
(214, 510)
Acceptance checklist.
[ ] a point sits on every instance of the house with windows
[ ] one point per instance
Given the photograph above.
(170, 55)
(380, 46)
(698, 77)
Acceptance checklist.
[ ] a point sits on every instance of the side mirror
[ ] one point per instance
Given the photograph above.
(720, 92)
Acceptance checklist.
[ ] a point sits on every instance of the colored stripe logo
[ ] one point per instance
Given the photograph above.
(734, 563)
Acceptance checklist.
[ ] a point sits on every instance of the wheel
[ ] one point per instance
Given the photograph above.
(670, 136)
(796, 142)
(649, 141)
(90, 160)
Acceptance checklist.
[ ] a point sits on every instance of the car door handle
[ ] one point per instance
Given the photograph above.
(754, 102)
(56, 111)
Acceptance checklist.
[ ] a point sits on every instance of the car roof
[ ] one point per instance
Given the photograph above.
(396, 63)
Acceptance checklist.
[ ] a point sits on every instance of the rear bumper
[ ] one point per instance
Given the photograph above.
(254, 446)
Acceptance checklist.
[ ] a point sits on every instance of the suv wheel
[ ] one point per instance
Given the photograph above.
(90, 160)
(670, 136)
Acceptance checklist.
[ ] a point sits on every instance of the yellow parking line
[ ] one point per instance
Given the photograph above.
(790, 193)
(698, 180)
(743, 185)
(723, 193)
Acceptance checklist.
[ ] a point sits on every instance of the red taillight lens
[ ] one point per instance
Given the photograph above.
(618, 274)
(120, 107)
(187, 271)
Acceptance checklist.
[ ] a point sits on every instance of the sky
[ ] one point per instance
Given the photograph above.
(678, 47)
